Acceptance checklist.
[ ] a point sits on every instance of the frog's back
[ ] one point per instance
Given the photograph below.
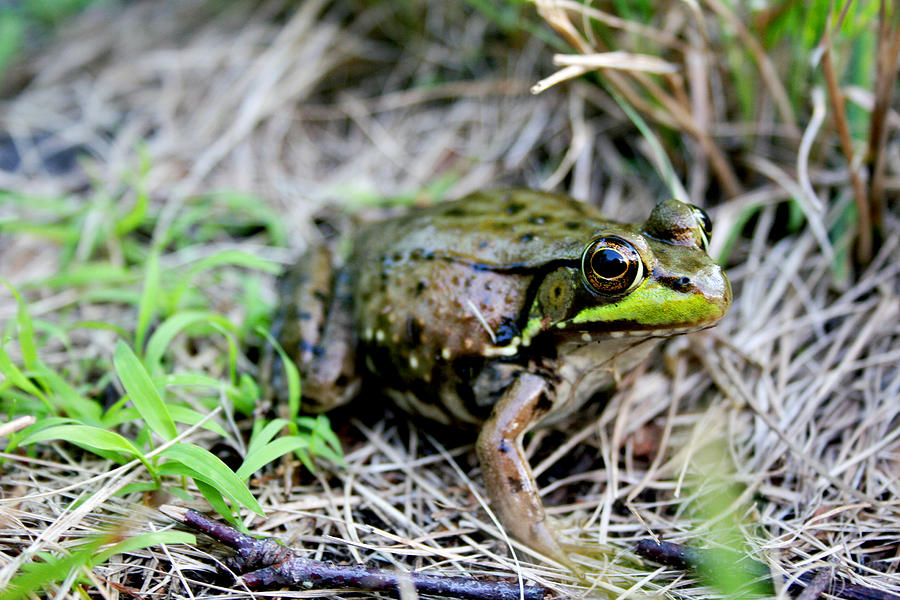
(505, 230)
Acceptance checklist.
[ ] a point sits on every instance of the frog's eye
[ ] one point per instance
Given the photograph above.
(611, 266)
(705, 224)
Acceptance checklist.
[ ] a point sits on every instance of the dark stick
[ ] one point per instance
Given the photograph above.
(271, 563)
(311, 574)
(702, 561)
(818, 585)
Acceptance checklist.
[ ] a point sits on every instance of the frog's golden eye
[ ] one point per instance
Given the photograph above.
(705, 224)
(611, 266)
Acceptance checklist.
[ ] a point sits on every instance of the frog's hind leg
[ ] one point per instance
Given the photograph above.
(507, 474)
(314, 325)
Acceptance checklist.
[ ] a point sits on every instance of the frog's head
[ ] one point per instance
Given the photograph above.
(653, 279)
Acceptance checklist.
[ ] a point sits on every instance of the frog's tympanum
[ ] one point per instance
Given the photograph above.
(505, 310)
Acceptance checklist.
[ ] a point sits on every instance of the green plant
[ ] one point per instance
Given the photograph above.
(153, 281)
(20, 21)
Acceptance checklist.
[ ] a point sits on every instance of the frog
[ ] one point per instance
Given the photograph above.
(499, 312)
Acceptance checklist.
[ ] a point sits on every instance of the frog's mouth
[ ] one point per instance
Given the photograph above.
(622, 329)
(571, 331)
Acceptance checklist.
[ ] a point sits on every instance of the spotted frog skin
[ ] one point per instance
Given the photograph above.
(504, 310)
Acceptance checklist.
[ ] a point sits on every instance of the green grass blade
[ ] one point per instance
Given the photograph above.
(145, 540)
(94, 439)
(265, 435)
(270, 452)
(226, 258)
(246, 395)
(291, 373)
(217, 501)
(325, 442)
(38, 575)
(26, 329)
(209, 468)
(189, 380)
(67, 400)
(150, 298)
(179, 414)
(233, 351)
(14, 375)
(12, 32)
(661, 160)
(142, 392)
(183, 414)
(90, 274)
(171, 327)
(138, 213)
(139, 487)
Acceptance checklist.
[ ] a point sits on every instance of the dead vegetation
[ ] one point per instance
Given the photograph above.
(776, 433)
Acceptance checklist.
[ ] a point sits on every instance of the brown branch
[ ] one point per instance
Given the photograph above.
(864, 232)
(705, 561)
(818, 585)
(885, 78)
(272, 564)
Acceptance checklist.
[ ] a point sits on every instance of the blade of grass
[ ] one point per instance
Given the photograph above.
(210, 468)
(270, 452)
(143, 393)
(144, 540)
(764, 64)
(226, 258)
(39, 574)
(291, 373)
(26, 328)
(888, 51)
(150, 296)
(138, 213)
(171, 327)
(864, 242)
(179, 414)
(67, 398)
(265, 435)
(92, 438)
(14, 375)
(325, 442)
(661, 160)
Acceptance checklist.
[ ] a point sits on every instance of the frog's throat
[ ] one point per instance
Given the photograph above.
(650, 309)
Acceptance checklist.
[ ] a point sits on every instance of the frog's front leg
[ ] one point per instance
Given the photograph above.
(507, 474)
(315, 326)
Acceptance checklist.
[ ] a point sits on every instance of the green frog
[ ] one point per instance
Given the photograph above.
(504, 310)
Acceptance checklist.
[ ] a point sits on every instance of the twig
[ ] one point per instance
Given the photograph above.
(818, 585)
(864, 235)
(888, 48)
(272, 564)
(702, 561)
(16, 425)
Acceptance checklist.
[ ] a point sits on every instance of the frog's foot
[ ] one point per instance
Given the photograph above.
(507, 474)
(544, 537)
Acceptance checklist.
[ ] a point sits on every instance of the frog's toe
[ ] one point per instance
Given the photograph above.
(544, 537)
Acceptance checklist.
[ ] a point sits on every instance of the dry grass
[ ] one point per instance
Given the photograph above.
(786, 415)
